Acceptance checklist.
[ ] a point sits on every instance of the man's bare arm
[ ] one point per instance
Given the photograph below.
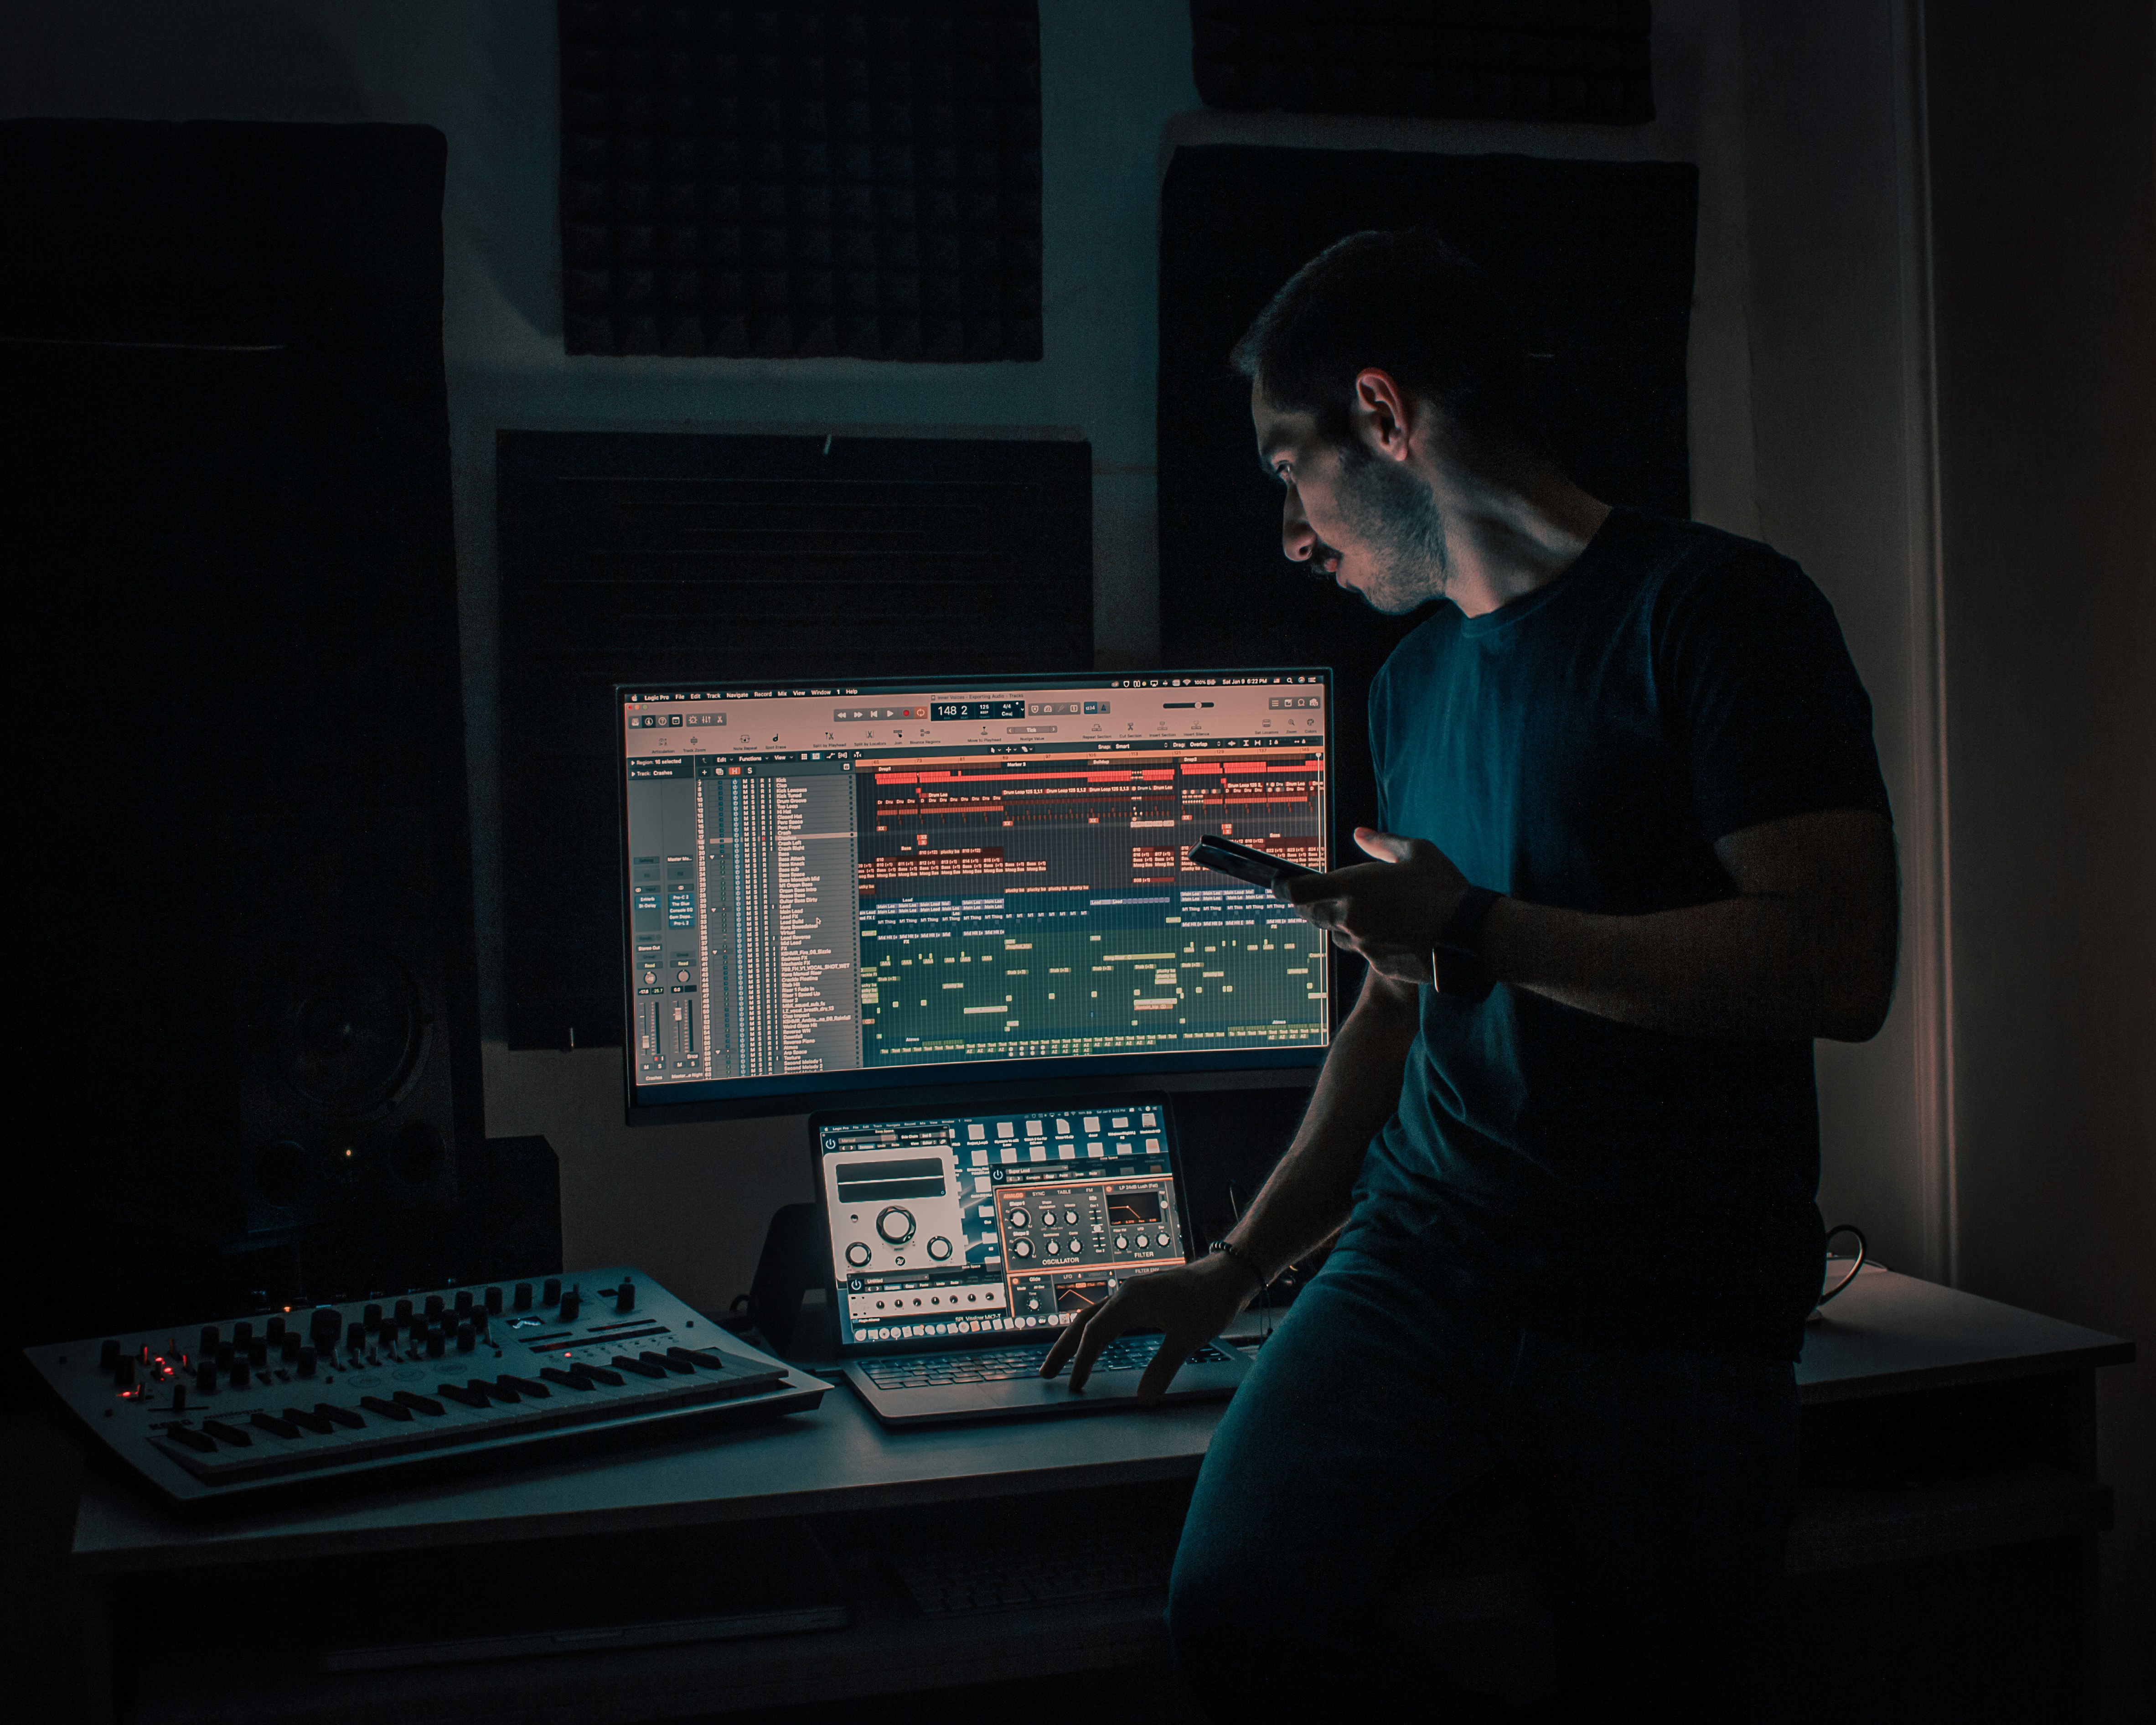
(1805, 949)
(1307, 1196)
(1302, 1203)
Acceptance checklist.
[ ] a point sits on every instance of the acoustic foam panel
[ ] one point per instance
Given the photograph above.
(672, 557)
(1595, 257)
(1478, 59)
(823, 176)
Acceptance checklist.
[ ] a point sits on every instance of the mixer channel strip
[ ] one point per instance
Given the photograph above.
(272, 1401)
(264, 1442)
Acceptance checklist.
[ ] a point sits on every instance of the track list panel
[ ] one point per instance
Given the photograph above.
(741, 888)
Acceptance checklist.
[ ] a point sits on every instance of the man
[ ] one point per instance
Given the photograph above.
(1636, 855)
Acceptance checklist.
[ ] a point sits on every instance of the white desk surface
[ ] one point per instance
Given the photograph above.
(1887, 1334)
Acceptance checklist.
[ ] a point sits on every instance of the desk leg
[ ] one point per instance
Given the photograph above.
(2080, 1398)
(99, 1689)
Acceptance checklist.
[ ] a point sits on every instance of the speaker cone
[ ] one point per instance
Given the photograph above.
(354, 1029)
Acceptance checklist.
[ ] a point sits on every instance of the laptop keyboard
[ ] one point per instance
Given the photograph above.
(989, 1578)
(991, 1365)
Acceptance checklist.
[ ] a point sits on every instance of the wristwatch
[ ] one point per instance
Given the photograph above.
(1456, 961)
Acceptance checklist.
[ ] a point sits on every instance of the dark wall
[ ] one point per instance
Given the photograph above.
(2043, 158)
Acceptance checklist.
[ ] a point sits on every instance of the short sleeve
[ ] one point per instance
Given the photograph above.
(1758, 691)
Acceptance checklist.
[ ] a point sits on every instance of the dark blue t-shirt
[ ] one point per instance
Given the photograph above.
(1584, 747)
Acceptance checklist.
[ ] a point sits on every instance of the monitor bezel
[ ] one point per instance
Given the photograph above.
(988, 1082)
(1065, 1102)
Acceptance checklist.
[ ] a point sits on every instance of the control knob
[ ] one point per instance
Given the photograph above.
(466, 1335)
(1022, 1249)
(939, 1249)
(573, 1302)
(895, 1223)
(858, 1254)
(494, 1301)
(371, 1319)
(1019, 1218)
(274, 1329)
(624, 1296)
(464, 1301)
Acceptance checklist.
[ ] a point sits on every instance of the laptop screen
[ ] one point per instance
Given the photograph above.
(995, 1223)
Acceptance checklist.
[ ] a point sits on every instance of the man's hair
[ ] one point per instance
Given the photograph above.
(1402, 301)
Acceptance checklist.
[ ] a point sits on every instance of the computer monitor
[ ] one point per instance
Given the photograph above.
(847, 893)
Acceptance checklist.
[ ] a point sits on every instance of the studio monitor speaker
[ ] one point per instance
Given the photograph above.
(226, 468)
(342, 1039)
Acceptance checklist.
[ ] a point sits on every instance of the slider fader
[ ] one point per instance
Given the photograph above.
(230, 1412)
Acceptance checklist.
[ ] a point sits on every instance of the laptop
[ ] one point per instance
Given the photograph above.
(961, 1243)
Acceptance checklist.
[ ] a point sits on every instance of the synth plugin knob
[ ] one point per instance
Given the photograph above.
(1022, 1249)
(896, 1224)
(858, 1254)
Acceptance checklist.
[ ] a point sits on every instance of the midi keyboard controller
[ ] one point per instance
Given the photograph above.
(234, 1411)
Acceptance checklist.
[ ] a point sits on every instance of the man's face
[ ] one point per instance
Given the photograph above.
(1356, 517)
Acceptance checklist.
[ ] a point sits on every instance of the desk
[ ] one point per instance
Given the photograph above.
(1936, 1423)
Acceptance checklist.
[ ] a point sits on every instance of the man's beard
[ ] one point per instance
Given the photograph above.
(1399, 529)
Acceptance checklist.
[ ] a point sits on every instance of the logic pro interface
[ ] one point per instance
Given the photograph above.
(876, 887)
(1002, 1220)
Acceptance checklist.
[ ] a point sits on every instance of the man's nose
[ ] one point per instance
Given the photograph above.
(1297, 540)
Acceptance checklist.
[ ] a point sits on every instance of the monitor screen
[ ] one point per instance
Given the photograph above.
(849, 892)
(950, 1224)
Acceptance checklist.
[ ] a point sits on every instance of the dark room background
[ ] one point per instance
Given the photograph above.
(1918, 360)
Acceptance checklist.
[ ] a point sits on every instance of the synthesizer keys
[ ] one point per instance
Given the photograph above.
(232, 1411)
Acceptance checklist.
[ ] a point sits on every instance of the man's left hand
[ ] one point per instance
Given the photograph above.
(1388, 911)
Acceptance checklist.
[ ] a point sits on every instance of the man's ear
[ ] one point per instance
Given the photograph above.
(1385, 414)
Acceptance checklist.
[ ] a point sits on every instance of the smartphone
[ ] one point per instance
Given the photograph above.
(1258, 867)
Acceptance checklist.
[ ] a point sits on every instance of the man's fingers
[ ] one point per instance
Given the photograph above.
(1160, 1371)
(1066, 1344)
(1386, 847)
(1103, 1324)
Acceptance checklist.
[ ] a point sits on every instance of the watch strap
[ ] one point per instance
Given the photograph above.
(1456, 960)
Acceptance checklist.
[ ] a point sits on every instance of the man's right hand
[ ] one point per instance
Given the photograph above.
(1189, 1307)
